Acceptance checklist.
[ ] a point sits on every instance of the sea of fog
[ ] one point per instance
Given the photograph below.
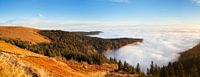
(162, 44)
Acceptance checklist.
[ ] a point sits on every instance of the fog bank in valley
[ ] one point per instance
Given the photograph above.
(162, 44)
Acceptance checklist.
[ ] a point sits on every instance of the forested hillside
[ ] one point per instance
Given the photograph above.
(186, 66)
(74, 45)
(79, 46)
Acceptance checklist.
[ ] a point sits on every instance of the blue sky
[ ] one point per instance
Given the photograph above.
(168, 11)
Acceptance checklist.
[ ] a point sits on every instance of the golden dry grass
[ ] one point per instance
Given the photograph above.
(9, 67)
(41, 64)
(16, 50)
(44, 66)
(88, 69)
(55, 67)
(22, 33)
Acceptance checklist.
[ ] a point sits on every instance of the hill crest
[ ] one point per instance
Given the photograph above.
(22, 33)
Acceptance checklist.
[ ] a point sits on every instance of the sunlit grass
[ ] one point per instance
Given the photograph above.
(16, 50)
(11, 70)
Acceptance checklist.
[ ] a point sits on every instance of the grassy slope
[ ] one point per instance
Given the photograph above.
(29, 63)
(23, 33)
(18, 62)
(190, 57)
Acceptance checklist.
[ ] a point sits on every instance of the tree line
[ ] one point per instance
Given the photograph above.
(74, 45)
(175, 69)
(186, 66)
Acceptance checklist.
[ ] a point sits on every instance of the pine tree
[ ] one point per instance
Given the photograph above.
(126, 66)
(111, 60)
(194, 71)
(131, 68)
(156, 71)
(180, 70)
(120, 65)
(164, 72)
(115, 60)
(152, 68)
(138, 70)
(148, 71)
(171, 70)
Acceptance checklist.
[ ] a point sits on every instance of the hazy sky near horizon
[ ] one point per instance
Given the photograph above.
(167, 11)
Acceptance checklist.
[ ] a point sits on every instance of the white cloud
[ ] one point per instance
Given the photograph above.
(197, 2)
(40, 15)
(36, 23)
(161, 44)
